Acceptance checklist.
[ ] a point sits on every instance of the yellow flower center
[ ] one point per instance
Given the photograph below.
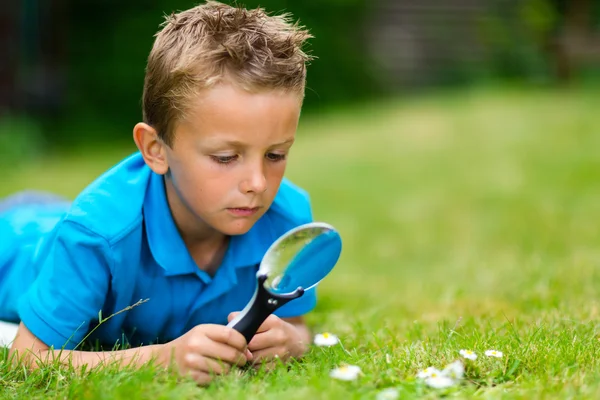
(343, 369)
(326, 335)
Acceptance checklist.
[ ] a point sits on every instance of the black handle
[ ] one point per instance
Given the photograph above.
(263, 305)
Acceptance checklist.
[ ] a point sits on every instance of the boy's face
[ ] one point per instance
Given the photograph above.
(229, 156)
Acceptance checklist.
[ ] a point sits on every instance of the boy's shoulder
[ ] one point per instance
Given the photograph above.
(291, 206)
(113, 202)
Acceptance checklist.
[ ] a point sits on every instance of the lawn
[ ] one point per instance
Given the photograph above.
(470, 220)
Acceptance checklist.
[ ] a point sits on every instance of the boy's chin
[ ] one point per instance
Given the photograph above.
(237, 228)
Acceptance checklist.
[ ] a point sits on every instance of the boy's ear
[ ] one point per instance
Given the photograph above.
(153, 149)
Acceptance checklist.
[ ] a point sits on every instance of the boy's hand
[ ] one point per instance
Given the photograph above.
(275, 339)
(206, 351)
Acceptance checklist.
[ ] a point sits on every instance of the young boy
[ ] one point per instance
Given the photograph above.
(178, 229)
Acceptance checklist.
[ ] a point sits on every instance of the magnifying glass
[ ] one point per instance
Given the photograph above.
(295, 263)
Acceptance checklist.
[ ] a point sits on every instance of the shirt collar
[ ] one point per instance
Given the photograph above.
(170, 252)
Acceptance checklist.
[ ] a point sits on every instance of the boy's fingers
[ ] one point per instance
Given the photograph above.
(269, 323)
(207, 365)
(223, 334)
(225, 353)
(274, 335)
(264, 340)
(232, 315)
(260, 341)
(270, 354)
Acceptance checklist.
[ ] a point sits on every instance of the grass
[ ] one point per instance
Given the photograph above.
(470, 220)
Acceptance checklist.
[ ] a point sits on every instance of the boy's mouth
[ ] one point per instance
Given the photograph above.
(243, 211)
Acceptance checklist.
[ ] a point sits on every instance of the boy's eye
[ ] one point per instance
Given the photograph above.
(275, 157)
(224, 159)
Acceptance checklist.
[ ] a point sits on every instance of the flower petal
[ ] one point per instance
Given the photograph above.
(345, 373)
(468, 354)
(494, 353)
(455, 370)
(428, 372)
(440, 382)
(326, 339)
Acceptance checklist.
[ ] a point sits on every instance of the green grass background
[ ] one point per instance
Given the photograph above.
(470, 219)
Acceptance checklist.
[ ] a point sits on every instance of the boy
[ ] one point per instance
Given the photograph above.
(178, 229)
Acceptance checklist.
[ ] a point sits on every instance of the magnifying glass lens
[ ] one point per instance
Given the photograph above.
(294, 263)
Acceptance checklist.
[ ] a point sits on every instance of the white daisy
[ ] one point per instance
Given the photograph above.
(326, 339)
(494, 353)
(439, 382)
(428, 372)
(345, 372)
(469, 354)
(454, 371)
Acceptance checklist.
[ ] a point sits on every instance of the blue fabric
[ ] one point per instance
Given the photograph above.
(63, 267)
(30, 197)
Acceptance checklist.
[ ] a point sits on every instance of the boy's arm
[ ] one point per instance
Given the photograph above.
(202, 353)
(33, 352)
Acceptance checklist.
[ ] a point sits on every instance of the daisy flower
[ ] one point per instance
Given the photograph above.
(326, 339)
(450, 376)
(494, 353)
(428, 372)
(439, 382)
(454, 371)
(345, 372)
(469, 354)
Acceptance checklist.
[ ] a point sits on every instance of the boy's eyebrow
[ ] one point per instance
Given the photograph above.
(291, 140)
(237, 143)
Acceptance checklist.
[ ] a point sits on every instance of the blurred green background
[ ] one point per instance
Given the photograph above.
(72, 71)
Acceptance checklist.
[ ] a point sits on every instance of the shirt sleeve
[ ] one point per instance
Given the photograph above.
(71, 287)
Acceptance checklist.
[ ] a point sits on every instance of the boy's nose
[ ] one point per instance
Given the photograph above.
(255, 182)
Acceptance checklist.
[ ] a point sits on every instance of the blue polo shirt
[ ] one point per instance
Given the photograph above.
(63, 268)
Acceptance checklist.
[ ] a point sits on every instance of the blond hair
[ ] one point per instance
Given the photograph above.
(213, 42)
